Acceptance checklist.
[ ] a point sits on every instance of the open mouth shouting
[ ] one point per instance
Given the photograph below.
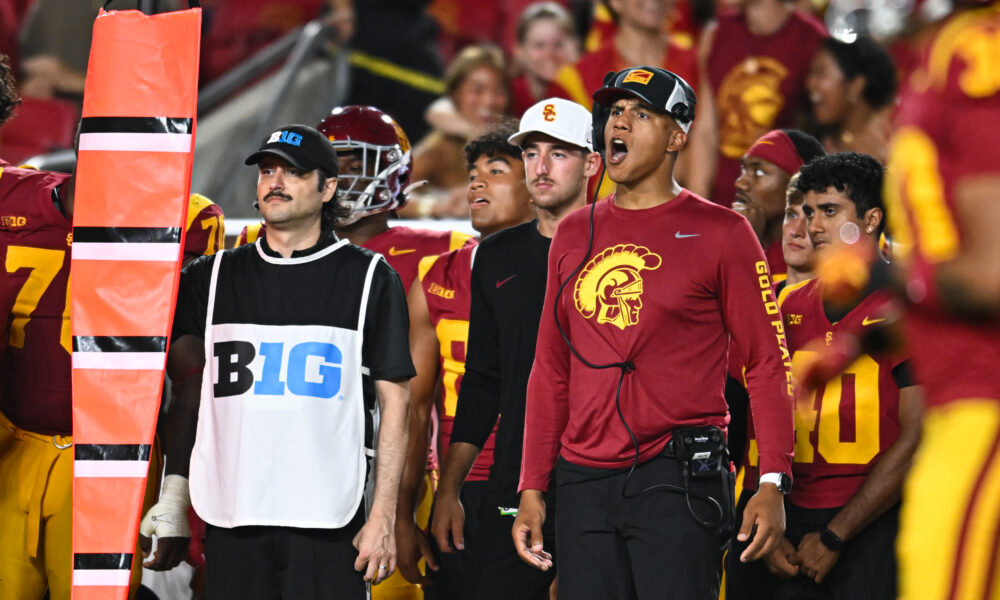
(618, 151)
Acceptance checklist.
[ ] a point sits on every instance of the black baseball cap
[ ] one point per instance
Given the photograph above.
(661, 89)
(300, 145)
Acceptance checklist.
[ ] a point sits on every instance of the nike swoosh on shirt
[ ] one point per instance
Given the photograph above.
(869, 321)
(503, 281)
(395, 252)
(680, 235)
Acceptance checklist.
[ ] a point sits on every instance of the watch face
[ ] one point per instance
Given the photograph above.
(785, 484)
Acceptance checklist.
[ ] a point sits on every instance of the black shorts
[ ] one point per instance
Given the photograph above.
(265, 563)
(646, 546)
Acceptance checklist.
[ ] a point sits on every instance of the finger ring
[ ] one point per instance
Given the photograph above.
(382, 567)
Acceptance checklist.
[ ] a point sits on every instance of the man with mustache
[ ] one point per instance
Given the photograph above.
(305, 337)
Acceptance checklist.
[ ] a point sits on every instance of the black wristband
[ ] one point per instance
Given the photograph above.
(831, 540)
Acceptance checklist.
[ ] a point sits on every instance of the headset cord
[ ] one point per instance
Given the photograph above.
(686, 491)
(627, 367)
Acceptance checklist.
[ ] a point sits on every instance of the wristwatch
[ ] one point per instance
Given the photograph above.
(782, 480)
(831, 540)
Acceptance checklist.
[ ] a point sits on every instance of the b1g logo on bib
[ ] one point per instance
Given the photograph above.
(267, 367)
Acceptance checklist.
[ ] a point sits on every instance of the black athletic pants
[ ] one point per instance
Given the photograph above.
(489, 567)
(752, 580)
(865, 570)
(449, 579)
(648, 546)
(271, 563)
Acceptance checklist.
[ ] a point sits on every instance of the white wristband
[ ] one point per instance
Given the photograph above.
(780, 480)
(774, 478)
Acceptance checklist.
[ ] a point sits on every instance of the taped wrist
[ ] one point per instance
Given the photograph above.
(168, 517)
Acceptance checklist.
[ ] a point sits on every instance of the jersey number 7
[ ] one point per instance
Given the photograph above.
(44, 264)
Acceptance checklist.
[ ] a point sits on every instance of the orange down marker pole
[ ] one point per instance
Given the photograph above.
(132, 183)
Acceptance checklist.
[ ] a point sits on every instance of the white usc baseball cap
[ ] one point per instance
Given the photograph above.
(562, 119)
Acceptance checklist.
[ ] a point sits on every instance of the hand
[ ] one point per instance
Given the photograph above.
(527, 530)
(170, 551)
(845, 272)
(411, 544)
(449, 521)
(815, 559)
(376, 547)
(168, 521)
(765, 514)
(782, 562)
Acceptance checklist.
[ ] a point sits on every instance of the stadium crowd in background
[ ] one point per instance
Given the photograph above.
(737, 287)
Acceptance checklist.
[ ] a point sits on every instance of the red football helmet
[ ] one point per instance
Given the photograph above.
(385, 156)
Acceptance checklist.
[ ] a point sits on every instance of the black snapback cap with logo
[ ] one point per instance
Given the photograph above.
(301, 146)
(661, 89)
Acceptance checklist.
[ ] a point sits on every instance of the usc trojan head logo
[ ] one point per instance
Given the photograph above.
(749, 103)
(549, 112)
(610, 286)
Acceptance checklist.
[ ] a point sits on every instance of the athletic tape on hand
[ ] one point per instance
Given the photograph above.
(168, 517)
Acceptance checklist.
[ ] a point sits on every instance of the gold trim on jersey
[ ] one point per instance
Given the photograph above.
(788, 289)
(458, 239)
(425, 265)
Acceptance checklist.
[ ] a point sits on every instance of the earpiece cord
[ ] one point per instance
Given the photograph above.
(626, 367)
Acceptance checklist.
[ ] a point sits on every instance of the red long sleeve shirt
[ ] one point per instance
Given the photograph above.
(664, 288)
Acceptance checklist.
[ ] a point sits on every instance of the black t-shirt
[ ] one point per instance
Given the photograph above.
(508, 289)
(293, 292)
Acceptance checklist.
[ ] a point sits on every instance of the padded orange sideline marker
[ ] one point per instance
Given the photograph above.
(132, 182)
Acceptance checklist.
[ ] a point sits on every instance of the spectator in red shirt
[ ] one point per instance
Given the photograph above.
(639, 39)
(851, 90)
(754, 63)
(546, 42)
(476, 85)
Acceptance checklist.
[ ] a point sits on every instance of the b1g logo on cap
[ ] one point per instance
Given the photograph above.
(549, 112)
(639, 76)
(285, 137)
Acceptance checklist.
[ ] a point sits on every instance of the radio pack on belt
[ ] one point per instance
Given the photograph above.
(702, 450)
